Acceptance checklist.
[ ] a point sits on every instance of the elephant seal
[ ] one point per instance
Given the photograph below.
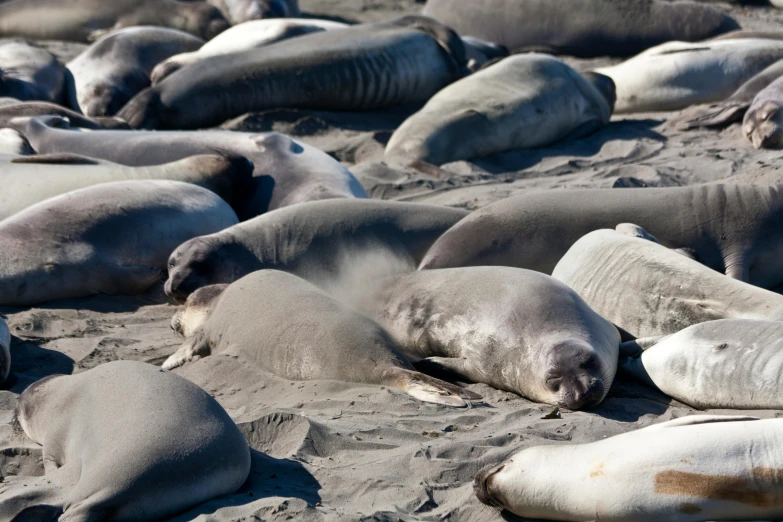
(286, 171)
(18, 109)
(330, 341)
(240, 11)
(362, 67)
(5, 351)
(735, 229)
(729, 363)
(117, 242)
(688, 469)
(124, 442)
(116, 67)
(676, 75)
(310, 240)
(249, 35)
(88, 20)
(479, 53)
(13, 143)
(582, 28)
(762, 124)
(30, 180)
(649, 290)
(513, 329)
(515, 103)
(28, 72)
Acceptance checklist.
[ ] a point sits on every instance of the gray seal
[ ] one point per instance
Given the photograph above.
(313, 240)
(513, 329)
(763, 123)
(111, 238)
(124, 442)
(28, 72)
(330, 341)
(583, 28)
(362, 67)
(735, 229)
(240, 11)
(118, 66)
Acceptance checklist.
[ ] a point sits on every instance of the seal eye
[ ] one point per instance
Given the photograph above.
(554, 383)
(171, 264)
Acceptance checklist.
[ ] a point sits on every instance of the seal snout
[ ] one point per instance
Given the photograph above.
(578, 396)
(482, 485)
(576, 376)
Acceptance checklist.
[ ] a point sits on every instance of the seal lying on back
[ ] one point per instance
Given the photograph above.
(690, 469)
(363, 67)
(112, 238)
(584, 28)
(763, 123)
(735, 229)
(124, 442)
(16, 109)
(524, 101)
(115, 68)
(5, 351)
(648, 290)
(730, 363)
(28, 72)
(311, 239)
(239, 11)
(513, 329)
(33, 179)
(88, 20)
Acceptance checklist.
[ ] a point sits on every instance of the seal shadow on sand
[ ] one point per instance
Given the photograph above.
(30, 362)
(629, 401)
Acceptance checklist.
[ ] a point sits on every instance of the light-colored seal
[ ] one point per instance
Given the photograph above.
(513, 329)
(690, 469)
(28, 72)
(5, 351)
(763, 123)
(286, 172)
(304, 334)
(13, 143)
(239, 11)
(88, 20)
(676, 75)
(111, 238)
(524, 101)
(734, 229)
(584, 28)
(362, 67)
(124, 442)
(115, 68)
(18, 109)
(313, 240)
(249, 35)
(649, 290)
(729, 363)
(32, 179)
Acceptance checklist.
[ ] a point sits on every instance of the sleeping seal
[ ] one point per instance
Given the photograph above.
(735, 229)
(513, 329)
(648, 290)
(519, 102)
(729, 363)
(124, 442)
(5, 351)
(239, 11)
(689, 469)
(111, 238)
(359, 68)
(28, 72)
(292, 329)
(115, 68)
(763, 123)
(310, 240)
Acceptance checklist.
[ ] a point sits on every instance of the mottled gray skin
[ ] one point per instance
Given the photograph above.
(286, 171)
(118, 66)
(763, 123)
(584, 28)
(5, 351)
(304, 334)
(28, 72)
(312, 239)
(362, 67)
(730, 363)
(13, 110)
(649, 290)
(111, 238)
(125, 442)
(513, 329)
(33, 179)
(238, 11)
(734, 229)
(88, 20)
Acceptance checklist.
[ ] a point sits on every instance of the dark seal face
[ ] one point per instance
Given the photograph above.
(205, 21)
(192, 265)
(575, 375)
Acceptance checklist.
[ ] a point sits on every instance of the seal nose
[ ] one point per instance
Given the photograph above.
(579, 396)
(173, 289)
(482, 485)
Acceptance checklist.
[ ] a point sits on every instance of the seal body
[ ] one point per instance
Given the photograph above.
(314, 240)
(326, 340)
(5, 351)
(513, 329)
(128, 442)
(734, 229)
(28, 72)
(648, 290)
(116, 67)
(17, 109)
(112, 238)
(690, 469)
(763, 123)
(515, 103)
(239, 11)
(363, 67)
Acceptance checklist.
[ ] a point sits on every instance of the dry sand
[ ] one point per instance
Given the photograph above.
(338, 451)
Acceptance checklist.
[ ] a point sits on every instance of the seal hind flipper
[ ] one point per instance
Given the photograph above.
(715, 115)
(450, 366)
(196, 346)
(428, 389)
(39, 513)
(447, 39)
